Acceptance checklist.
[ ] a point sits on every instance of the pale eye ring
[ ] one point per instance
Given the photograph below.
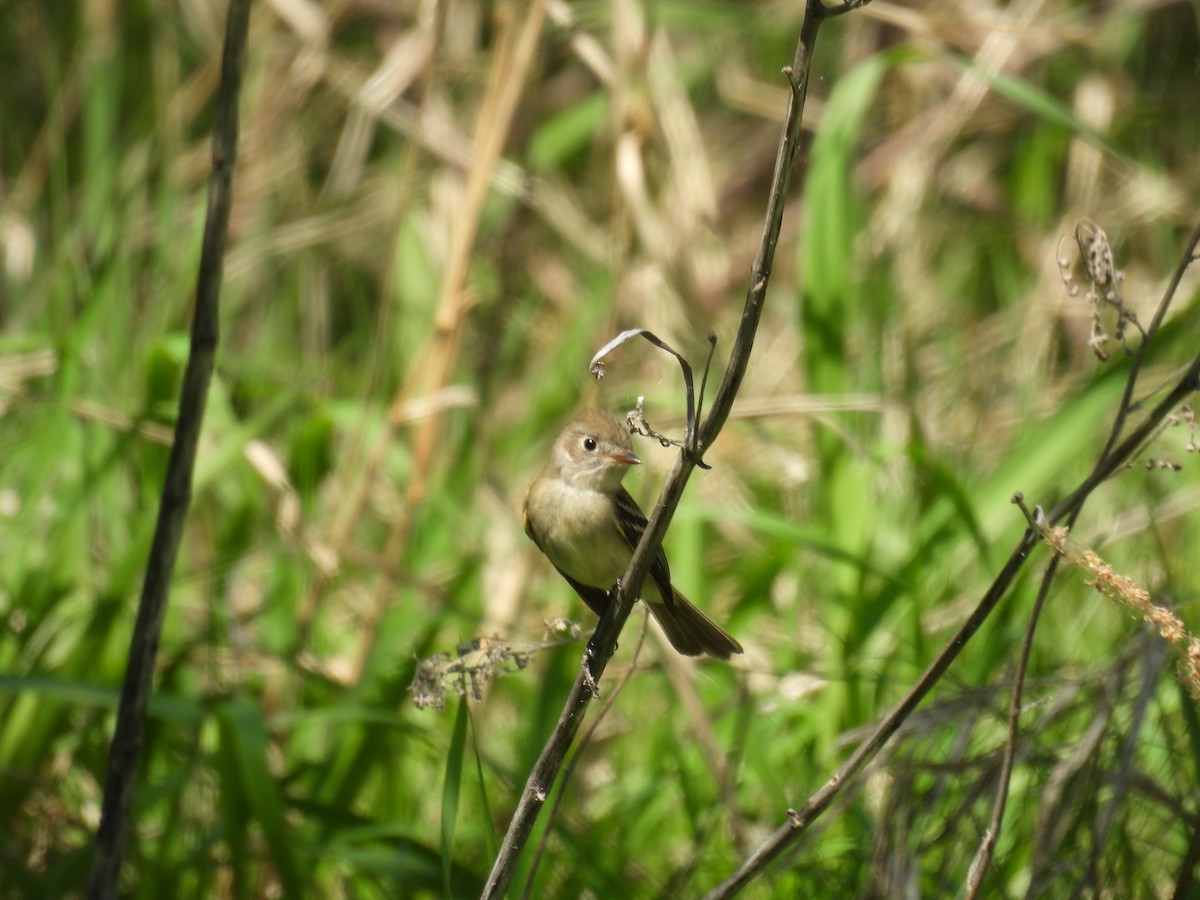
(589, 444)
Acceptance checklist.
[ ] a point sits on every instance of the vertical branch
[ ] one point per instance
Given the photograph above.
(127, 740)
(764, 262)
(545, 770)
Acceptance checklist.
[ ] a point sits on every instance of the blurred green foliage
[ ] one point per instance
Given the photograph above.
(919, 361)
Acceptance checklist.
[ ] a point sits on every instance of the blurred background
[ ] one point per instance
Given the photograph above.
(442, 210)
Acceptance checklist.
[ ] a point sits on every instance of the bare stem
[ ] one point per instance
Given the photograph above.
(983, 855)
(542, 777)
(799, 820)
(126, 748)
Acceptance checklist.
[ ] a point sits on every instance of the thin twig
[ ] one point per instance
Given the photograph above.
(1152, 657)
(538, 786)
(694, 403)
(126, 748)
(987, 846)
(569, 770)
(983, 855)
(760, 274)
(596, 366)
(712, 348)
(1128, 448)
(798, 820)
(1185, 883)
(1160, 313)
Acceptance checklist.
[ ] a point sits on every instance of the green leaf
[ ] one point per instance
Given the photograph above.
(832, 218)
(450, 791)
(244, 740)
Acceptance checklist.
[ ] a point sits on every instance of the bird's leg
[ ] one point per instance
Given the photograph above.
(600, 635)
(600, 639)
(589, 669)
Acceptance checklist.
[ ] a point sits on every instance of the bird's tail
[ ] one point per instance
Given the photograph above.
(690, 631)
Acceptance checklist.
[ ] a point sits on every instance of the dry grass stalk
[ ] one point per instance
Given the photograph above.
(1126, 591)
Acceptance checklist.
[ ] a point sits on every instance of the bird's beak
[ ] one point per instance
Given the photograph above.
(624, 457)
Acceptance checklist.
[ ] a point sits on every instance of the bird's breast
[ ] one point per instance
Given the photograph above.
(581, 536)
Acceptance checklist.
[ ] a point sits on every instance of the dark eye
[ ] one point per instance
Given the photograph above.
(589, 444)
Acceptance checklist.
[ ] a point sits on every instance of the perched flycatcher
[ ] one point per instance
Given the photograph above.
(588, 526)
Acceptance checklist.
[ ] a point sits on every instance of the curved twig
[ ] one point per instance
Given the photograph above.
(596, 367)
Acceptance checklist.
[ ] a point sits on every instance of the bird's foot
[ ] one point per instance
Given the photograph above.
(590, 677)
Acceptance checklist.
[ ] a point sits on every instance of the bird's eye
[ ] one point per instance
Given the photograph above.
(589, 444)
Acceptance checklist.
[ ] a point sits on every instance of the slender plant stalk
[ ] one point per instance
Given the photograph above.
(125, 751)
(987, 845)
(541, 779)
(569, 771)
(800, 819)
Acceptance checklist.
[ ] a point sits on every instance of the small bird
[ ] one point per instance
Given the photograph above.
(587, 525)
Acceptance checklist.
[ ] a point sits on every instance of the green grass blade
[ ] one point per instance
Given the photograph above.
(451, 788)
(244, 737)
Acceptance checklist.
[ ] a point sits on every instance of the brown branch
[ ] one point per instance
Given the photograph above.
(983, 856)
(126, 747)
(569, 771)
(799, 820)
(603, 644)
(760, 274)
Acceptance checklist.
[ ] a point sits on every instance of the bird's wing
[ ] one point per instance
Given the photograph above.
(631, 522)
(596, 598)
